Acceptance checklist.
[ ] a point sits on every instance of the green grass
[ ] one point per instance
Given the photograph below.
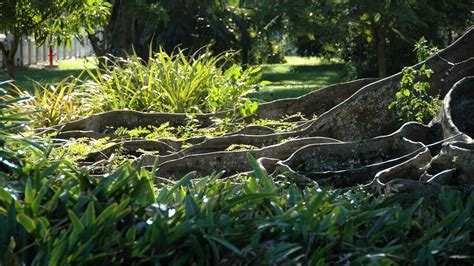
(296, 77)
(26, 75)
(299, 76)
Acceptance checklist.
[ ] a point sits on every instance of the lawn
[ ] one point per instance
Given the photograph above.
(299, 76)
(26, 75)
(296, 77)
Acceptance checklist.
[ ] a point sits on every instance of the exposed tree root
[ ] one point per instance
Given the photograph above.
(130, 147)
(350, 163)
(231, 162)
(313, 103)
(418, 189)
(365, 114)
(75, 134)
(133, 119)
(456, 117)
(355, 112)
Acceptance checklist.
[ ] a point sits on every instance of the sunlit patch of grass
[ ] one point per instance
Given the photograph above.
(26, 76)
(299, 76)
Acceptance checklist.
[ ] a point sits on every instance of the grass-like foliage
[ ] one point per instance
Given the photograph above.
(53, 103)
(174, 82)
(54, 214)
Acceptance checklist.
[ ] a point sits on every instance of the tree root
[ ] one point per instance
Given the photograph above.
(456, 117)
(346, 164)
(231, 162)
(133, 119)
(313, 103)
(130, 147)
(355, 112)
(365, 114)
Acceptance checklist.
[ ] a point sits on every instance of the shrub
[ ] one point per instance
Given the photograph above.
(165, 83)
(57, 103)
(412, 102)
(171, 83)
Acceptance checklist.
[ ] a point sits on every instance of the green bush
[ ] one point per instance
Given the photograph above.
(175, 82)
(199, 83)
(412, 102)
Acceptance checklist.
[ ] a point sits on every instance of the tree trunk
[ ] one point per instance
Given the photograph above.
(10, 68)
(9, 56)
(99, 48)
(380, 35)
(245, 41)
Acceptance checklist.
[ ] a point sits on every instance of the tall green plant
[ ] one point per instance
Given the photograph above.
(174, 82)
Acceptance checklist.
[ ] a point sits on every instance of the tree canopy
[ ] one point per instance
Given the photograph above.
(55, 21)
(367, 34)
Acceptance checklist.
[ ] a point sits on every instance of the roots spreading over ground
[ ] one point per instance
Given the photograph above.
(352, 138)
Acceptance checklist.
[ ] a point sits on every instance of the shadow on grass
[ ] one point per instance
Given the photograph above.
(25, 77)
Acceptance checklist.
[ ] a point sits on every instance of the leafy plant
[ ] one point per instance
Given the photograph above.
(412, 102)
(53, 104)
(58, 103)
(424, 50)
(170, 83)
(11, 117)
(54, 214)
(60, 215)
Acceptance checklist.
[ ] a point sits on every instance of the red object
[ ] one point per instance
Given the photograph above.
(50, 55)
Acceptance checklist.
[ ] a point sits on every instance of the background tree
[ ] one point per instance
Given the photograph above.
(55, 21)
(253, 27)
(189, 24)
(377, 36)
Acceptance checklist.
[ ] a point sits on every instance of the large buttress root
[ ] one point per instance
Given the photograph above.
(354, 112)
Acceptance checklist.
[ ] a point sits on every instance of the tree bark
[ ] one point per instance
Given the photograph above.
(245, 42)
(99, 48)
(380, 36)
(9, 56)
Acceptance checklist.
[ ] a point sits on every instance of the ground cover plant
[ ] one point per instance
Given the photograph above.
(326, 178)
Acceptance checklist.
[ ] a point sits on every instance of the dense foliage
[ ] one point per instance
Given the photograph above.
(173, 82)
(55, 21)
(375, 37)
(177, 83)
